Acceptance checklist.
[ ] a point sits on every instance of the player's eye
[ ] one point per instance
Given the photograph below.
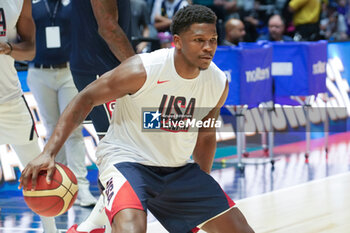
(198, 40)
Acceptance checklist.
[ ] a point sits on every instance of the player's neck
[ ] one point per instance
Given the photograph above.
(184, 68)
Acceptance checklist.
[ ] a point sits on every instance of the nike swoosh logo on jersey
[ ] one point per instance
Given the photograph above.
(160, 82)
(36, 1)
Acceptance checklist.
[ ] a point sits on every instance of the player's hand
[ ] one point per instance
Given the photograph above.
(4, 48)
(42, 162)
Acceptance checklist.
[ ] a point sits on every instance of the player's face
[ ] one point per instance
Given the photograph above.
(198, 44)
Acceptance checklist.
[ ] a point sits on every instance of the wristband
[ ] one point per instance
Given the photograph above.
(11, 48)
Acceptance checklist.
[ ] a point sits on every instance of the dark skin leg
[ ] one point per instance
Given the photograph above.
(232, 221)
(135, 221)
(130, 221)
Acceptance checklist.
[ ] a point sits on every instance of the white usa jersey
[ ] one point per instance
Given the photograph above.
(10, 87)
(164, 92)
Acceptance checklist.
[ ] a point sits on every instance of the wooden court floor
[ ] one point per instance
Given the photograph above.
(314, 207)
(321, 206)
(295, 197)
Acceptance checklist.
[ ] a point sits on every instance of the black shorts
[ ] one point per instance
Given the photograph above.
(181, 198)
(100, 115)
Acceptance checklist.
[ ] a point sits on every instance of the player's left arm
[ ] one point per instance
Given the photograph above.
(204, 151)
(25, 48)
(106, 14)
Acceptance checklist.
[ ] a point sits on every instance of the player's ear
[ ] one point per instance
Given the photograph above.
(177, 41)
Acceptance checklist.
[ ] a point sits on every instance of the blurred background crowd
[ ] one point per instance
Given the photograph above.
(246, 20)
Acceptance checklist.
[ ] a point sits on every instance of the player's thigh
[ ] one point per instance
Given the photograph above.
(66, 92)
(119, 194)
(67, 89)
(191, 195)
(232, 221)
(42, 85)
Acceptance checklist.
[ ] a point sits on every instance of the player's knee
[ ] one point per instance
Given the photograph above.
(231, 221)
(131, 221)
(130, 226)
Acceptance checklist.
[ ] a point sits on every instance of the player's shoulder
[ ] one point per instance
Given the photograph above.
(157, 57)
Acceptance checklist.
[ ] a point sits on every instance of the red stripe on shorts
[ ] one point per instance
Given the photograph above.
(195, 230)
(126, 198)
(229, 200)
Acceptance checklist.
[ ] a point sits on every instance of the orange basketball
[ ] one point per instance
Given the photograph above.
(52, 199)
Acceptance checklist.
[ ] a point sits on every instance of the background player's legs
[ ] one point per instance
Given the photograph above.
(44, 90)
(100, 115)
(25, 154)
(74, 146)
(232, 221)
(53, 92)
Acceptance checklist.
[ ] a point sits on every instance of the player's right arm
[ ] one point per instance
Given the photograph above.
(106, 14)
(126, 79)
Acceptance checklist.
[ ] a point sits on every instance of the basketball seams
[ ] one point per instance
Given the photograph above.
(57, 197)
(69, 189)
(46, 192)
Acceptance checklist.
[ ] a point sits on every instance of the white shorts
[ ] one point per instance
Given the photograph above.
(16, 123)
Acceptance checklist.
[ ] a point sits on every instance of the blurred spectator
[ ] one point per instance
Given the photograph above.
(224, 9)
(266, 9)
(333, 27)
(344, 9)
(279, 6)
(139, 24)
(234, 32)
(161, 17)
(288, 19)
(276, 30)
(324, 5)
(248, 11)
(306, 16)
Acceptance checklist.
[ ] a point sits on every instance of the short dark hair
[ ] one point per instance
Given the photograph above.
(281, 17)
(189, 15)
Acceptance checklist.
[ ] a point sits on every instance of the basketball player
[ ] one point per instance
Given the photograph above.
(152, 170)
(101, 30)
(16, 122)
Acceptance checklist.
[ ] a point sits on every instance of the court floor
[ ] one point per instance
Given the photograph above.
(293, 197)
